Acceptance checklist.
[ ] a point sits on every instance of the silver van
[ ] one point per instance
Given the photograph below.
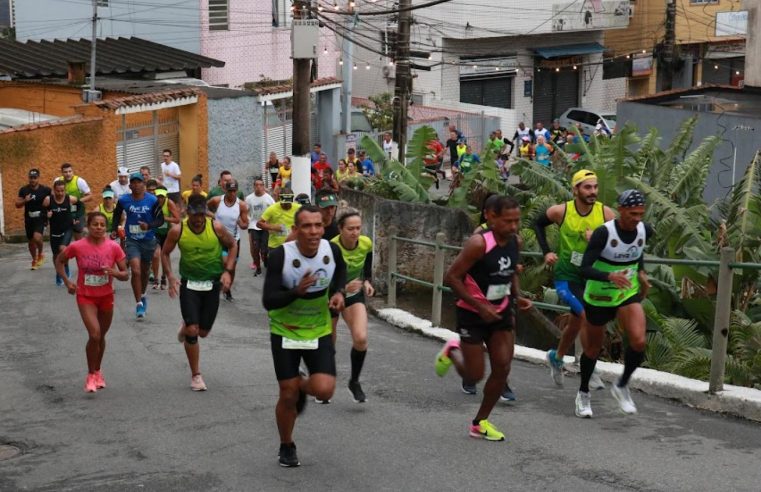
(589, 119)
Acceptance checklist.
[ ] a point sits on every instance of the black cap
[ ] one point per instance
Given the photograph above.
(232, 186)
(34, 173)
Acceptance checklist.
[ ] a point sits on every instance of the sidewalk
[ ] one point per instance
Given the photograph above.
(737, 401)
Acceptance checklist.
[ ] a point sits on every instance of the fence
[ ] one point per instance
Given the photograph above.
(726, 266)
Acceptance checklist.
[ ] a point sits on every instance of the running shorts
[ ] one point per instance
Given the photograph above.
(160, 239)
(33, 226)
(60, 240)
(142, 248)
(473, 329)
(259, 238)
(571, 293)
(199, 308)
(601, 315)
(355, 299)
(103, 303)
(78, 224)
(320, 360)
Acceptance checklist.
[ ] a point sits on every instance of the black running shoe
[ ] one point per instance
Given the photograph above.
(356, 392)
(301, 403)
(287, 455)
(229, 297)
(469, 388)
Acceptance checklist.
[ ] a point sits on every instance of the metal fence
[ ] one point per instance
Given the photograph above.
(725, 266)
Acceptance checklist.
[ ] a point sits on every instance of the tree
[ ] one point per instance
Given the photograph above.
(381, 113)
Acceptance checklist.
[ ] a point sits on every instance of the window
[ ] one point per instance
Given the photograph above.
(281, 13)
(219, 15)
(102, 3)
(487, 91)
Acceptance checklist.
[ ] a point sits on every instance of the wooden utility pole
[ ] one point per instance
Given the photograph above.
(403, 88)
(669, 47)
(301, 82)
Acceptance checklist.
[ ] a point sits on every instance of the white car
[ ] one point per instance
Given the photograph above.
(590, 120)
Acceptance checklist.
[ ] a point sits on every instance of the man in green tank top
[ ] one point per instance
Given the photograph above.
(576, 219)
(203, 272)
(77, 187)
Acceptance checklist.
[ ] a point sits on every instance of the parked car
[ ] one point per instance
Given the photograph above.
(589, 120)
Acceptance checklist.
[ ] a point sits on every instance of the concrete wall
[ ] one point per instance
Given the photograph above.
(668, 121)
(753, 44)
(385, 218)
(613, 91)
(235, 131)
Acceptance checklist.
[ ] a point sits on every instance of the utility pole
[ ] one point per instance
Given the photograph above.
(301, 82)
(93, 43)
(669, 46)
(403, 87)
(347, 69)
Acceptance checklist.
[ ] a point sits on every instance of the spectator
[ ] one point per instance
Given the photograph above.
(285, 171)
(390, 148)
(342, 171)
(368, 168)
(352, 157)
(329, 181)
(520, 133)
(315, 154)
(273, 168)
(352, 171)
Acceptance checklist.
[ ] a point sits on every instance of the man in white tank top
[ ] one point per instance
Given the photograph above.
(231, 212)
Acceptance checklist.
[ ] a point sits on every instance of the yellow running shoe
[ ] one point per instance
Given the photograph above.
(40, 260)
(484, 430)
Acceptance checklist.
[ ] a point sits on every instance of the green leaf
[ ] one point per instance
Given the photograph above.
(374, 151)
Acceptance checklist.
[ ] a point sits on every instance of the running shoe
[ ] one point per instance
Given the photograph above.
(356, 392)
(150, 277)
(322, 402)
(140, 311)
(180, 334)
(468, 388)
(144, 300)
(40, 260)
(485, 430)
(155, 284)
(556, 367)
(301, 403)
(34, 266)
(583, 405)
(197, 384)
(252, 266)
(287, 455)
(90, 384)
(229, 297)
(595, 382)
(163, 282)
(507, 394)
(58, 280)
(624, 399)
(443, 362)
(258, 271)
(100, 381)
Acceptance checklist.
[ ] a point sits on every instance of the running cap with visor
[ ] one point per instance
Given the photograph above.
(325, 200)
(136, 176)
(581, 176)
(122, 171)
(108, 194)
(631, 198)
(34, 173)
(302, 199)
(160, 192)
(286, 195)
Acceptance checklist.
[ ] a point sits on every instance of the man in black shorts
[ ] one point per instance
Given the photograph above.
(304, 280)
(30, 198)
(485, 280)
(616, 284)
(201, 241)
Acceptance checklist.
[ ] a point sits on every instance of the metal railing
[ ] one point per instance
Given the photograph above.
(726, 266)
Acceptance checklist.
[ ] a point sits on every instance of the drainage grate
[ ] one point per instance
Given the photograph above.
(7, 452)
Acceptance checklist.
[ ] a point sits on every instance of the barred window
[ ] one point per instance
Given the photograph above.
(219, 15)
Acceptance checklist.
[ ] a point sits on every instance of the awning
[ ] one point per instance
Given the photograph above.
(570, 50)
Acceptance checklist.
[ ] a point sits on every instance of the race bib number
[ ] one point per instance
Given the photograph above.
(35, 214)
(135, 229)
(96, 280)
(73, 208)
(576, 258)
(289, 344)
(200, 285)
(498, 292)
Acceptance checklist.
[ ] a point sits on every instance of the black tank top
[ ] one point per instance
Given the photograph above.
(61, 220)
(490, 278)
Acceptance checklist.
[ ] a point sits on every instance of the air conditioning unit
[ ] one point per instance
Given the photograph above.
(89, 95)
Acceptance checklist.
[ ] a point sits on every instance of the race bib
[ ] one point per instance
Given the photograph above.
(96, 280)
(35, 214)
(73, 208)
(135, 229)
(576, 258)
(497, 292)
(289, 344)
(200, 285)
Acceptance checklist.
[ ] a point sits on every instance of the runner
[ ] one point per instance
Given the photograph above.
(31, 198)
(171, 213)
(257, 203)
(304, 280)
(120, 186)
(107, 206)
(232, 213)
(196, 188)
(79, 189)
(278, 218)
(576, 219)
(170, 174)
(201, 241)
(219, 190)
(484, 278)
(96, 257)
(143, 215)
(58, 206)
(616, 284)
(357, 253)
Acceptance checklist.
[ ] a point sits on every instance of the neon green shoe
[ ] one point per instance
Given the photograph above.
(484, 430)
(443, 362)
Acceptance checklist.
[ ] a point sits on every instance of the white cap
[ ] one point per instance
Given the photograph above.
(122, 171)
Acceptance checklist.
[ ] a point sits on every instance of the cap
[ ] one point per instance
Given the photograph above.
(526, 139)
(232, 186)
(108, 194)
(631, 198)
(160, 192)
(34, 173)
(286, 195)
(135, 176)
(325, 200)
(122, 171)
(581, 176)
(302, 199)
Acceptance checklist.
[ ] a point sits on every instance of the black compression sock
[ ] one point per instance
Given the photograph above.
(587, 368)
(357, 361)
(632, 360)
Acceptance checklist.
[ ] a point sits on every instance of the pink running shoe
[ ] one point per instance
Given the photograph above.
(197, 384)
(100, 381)
(90, 386)
(252, 266)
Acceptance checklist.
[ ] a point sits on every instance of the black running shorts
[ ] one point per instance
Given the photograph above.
(600, 316)
(59, 240)
(199, 308)
(320, 360)
(33, 226)
(473, 329)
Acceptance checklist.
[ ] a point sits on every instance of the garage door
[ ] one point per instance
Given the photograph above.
(554, 92)
(141, 144)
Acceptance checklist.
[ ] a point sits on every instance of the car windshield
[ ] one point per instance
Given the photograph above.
(609, 117)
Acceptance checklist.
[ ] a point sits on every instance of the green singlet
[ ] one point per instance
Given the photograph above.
(201, 254)
(573, 240)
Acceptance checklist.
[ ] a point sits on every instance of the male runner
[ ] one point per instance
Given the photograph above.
(79, 189)
(201, 241)
(30, 198)
(232, 213)
(484, 278)
(143, 214)
(576, 220)
(616, 284)
(278, 218)
(58, 206)
(257, 202)
(171, 212)
(304, 280)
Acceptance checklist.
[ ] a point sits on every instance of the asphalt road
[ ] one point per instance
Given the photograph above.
(149, 431)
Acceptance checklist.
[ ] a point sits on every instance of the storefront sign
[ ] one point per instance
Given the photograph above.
(732, 23)
(590, 15)
(642, 65)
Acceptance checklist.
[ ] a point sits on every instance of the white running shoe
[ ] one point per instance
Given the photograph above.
(624, 399)
(583, 405)
(595, 382)
(197, 384)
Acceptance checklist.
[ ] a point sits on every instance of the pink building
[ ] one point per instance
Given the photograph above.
(252, 37)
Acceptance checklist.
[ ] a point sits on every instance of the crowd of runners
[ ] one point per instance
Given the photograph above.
(317, 268)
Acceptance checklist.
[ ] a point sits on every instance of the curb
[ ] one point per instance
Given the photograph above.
(737, 401)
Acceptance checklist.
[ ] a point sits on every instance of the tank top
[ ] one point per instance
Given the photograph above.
(542, 153)
(355, 258)
(109, 216)
(62, 218)
(525, 150)
(72, 188)
(164, 228)
(572, 240)
(490, 279)
(617, 257)
(200, 254)
(228, 216)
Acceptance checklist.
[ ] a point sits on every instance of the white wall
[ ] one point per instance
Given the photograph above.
(613, 91)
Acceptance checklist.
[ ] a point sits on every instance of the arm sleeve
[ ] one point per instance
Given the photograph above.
(158, 216)
(339, 276)
(117, 218)
(594, 249)
(276, 296)
(83, 186)
(368, 269)
(541, 235)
